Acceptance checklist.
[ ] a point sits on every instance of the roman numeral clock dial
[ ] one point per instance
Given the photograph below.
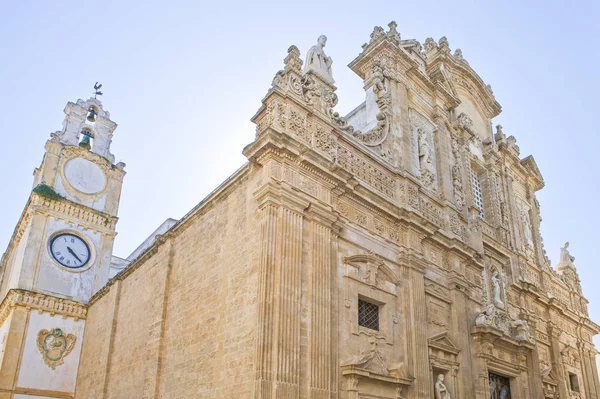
(70, 251)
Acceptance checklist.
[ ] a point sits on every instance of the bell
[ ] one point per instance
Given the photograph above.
(85, 141)
(91, 114)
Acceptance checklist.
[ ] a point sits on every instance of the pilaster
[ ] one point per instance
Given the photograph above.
(554, 334)
(280, 289)
(321, 292)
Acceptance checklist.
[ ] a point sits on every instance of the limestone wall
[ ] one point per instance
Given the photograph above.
(183, 319)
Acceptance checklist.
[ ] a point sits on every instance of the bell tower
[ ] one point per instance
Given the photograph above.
(59, 255)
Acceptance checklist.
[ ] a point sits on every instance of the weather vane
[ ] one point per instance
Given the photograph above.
(97, 89)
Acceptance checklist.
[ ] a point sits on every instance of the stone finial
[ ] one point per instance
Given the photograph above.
(377, 33)
(292, 61)
(444, 46)
(430, 44)
(393, 33)
(458, 55)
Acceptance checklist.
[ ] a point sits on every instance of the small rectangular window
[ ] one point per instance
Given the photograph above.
(573, 382)
(477, 193)
(368, 315)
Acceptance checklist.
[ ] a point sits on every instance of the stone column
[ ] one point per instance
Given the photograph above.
(588, 370)
(320, 298)
(266, 286)
(594, 370)
(287, 300)
(557, 365)
(480, 370)
(417, 345)
(534, 378)
(461, 332)
(14, 342)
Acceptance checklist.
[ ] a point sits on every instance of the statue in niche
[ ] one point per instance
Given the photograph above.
(497, 289)
(441, 392)
(565, 256)
(527, 235)
(318, 62)
(425, 158)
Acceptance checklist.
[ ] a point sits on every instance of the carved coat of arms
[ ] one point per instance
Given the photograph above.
(54, 346)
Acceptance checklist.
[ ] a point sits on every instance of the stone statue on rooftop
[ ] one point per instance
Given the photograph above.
(565, 256)
(318, 62)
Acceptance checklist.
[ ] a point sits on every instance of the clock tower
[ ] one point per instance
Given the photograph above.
(59, 256)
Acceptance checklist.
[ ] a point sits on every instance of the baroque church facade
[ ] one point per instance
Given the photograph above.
(391, 253)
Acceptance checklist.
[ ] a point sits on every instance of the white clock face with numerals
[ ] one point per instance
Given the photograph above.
(70, 250)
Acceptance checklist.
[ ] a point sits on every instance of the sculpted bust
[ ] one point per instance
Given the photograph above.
(318, 62)
(441, 392)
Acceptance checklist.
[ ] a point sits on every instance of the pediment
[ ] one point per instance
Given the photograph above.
(443, 342)
(548, 376)
(372, 361)
(439, 75)
(531, 166)
(374, 271)
(462, 75)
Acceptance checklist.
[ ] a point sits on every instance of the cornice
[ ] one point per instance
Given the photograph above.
(41, 303)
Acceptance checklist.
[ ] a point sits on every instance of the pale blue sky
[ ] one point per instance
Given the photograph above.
(182, 80)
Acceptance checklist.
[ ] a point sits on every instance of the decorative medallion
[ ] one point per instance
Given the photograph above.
(55, 346)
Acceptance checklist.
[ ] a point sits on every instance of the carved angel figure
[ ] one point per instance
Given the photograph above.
(318, 62)
(441, 392)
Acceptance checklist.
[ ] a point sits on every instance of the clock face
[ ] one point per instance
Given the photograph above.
(70, 251)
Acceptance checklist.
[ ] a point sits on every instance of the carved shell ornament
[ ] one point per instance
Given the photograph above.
(54, 345)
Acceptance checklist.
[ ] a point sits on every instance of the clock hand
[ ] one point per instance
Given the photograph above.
(73, 253)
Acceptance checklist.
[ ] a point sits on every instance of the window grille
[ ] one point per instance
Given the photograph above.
(368, 315)
(477, 193)
(573, 382)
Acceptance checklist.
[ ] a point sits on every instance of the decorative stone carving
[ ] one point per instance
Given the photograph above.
(318, 62)
(487, 317)
(457, 176)
(465, 122)
(522, 332)
(441, 392)
(54, 346)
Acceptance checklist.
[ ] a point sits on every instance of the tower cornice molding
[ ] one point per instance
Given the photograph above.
(42, 303)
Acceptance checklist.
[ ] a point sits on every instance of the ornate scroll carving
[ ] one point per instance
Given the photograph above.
(457, 175)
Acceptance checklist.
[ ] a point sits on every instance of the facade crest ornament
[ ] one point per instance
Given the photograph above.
(465, 122)
(54, 345)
